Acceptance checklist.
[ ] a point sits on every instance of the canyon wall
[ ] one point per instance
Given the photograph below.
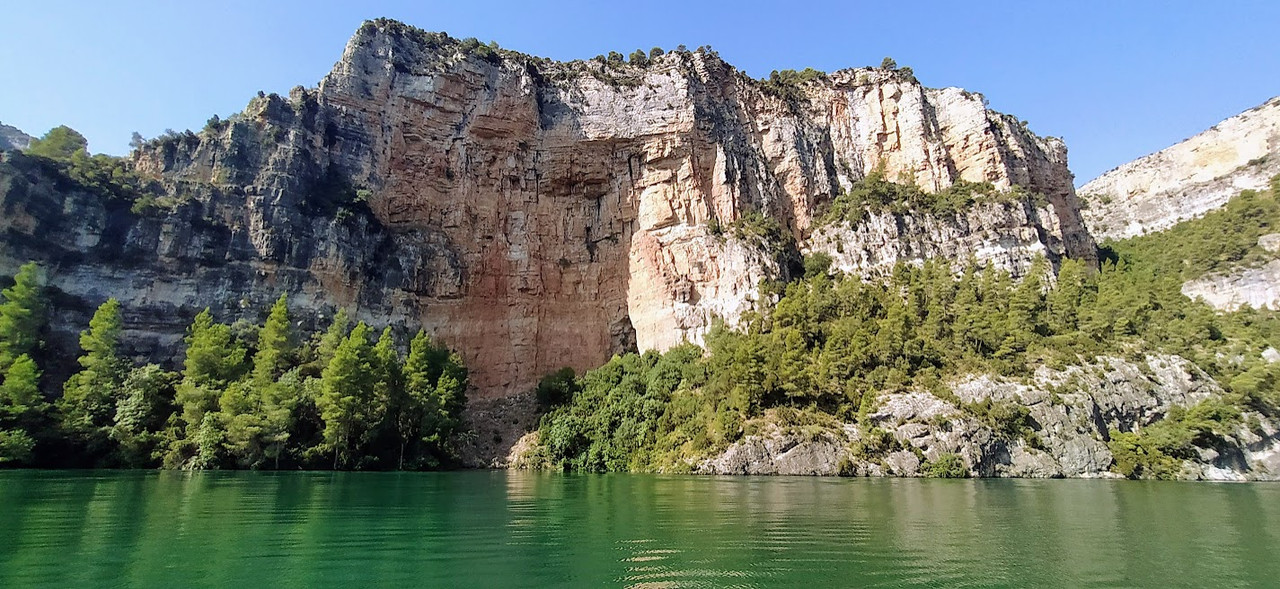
(530, 213)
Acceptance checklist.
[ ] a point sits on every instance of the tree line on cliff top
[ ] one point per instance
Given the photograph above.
(247, 396)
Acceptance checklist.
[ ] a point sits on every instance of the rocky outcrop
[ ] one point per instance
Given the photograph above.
(13, 138)
(1069, 416)
(1006, 235)
(1188, 179)
(529, 213)
(1257, 287)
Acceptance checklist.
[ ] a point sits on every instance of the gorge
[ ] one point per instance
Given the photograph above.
(536, 215)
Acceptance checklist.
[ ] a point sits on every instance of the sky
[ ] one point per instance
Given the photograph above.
(1116, 79)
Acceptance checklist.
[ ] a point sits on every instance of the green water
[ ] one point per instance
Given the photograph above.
(518, 529)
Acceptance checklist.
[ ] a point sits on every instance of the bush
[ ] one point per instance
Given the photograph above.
(946, 466)
(556, 388)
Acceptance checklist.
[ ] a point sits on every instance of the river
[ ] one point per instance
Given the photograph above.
(528, 529)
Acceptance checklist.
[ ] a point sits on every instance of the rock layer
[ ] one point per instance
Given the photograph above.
(532, 214)
(1188, 179)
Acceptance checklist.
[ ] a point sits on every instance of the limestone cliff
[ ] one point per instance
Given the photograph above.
(1188, 179)
(530, 213)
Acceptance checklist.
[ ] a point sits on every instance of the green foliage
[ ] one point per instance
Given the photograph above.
(88, 403)
(347, 392)
(145, 399)
(877, 194)
(214, 360)
(787, 84)
(638, 58)
(60, 143)
(21, 315)
(888, 63)
(817, 264)
(1158, 450)
(758, 227)
(556, 389)
(831, 345)
(64, 153)
(946, 466)
(1219, 240)
(15, 446)
(275, 345)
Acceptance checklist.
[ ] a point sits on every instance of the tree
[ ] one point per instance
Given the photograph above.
(143, 404)
(346, 387)
(556, 388)
(274, 344)
(60, 143)
(888, 64)
(88, 402)
(421, 372)
(214, 359)
(638, 58)
(15, 446)
(21, 315)
(329, 342)
(21, 403)
(655, 53)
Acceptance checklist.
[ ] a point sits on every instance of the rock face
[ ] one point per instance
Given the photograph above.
(1188, 179)
(1071, 413)
(13, 138)
(1008, 235)
(1257, 287)
(1254, 287)
(529, 213)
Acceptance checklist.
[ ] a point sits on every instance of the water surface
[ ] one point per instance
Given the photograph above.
(521, 529)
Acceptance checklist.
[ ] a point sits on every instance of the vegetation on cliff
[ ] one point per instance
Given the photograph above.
(832, 344)
(878, 194)
(247, 396)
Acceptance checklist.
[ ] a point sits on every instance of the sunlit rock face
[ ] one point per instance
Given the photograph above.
(531, 214)
(1188, 179)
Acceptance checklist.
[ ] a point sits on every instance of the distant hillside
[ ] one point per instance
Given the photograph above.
(1188, 179)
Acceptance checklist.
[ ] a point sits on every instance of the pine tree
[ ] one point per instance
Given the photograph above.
(274, 345)
(139, 417)
(21, 315)
(1065, 299)
(21, 404)
(451, 398)
(420, 374)
(1024, 322)
(214, 360)
(23, 411)
(347, 387)
(332, 338)
(88, 402)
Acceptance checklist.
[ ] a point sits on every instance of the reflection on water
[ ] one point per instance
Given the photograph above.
(522, 529)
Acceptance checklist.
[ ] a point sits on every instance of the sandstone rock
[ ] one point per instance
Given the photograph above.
(1188, 179)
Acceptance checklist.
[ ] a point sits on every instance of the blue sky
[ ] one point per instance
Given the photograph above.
(1116, 79)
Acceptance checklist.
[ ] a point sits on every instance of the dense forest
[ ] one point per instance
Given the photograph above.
(248, 396)
(831, 344)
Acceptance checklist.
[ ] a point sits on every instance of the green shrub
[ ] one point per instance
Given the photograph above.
(946, 466)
